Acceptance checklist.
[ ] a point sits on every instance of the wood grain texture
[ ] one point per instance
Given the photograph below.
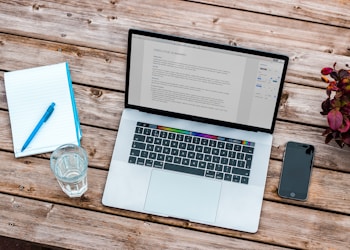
(83, 229)
(315, 11)
(20, 181)
(92, 37)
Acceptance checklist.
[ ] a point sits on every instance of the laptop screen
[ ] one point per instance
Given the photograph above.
(204, 81)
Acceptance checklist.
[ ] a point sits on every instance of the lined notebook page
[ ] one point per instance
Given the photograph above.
(29, 93)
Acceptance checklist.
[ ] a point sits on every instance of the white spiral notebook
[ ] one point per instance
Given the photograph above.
(29, 93)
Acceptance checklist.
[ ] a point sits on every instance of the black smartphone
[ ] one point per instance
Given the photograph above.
(296, 171)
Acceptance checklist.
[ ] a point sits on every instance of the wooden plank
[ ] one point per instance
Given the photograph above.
(87, 66)
(284, 225)
(73, 228)
(328, 189)
(104, 25)
(99, 142)
(312, 10)
(101, 107)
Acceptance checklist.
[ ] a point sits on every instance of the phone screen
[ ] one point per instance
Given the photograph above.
(296, 171)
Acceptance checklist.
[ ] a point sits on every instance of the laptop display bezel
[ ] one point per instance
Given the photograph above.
(213, 45)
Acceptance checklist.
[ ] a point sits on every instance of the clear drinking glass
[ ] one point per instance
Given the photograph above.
(69, 163)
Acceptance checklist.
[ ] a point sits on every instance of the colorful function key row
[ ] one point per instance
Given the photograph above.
(186, 132)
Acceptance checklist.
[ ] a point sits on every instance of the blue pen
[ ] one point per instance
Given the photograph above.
(38, 126)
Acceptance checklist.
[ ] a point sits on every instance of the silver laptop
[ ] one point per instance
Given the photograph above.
(195, 136)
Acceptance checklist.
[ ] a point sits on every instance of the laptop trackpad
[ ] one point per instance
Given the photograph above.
(183, 196)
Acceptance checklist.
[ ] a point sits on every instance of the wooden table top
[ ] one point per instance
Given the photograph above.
(92, 37)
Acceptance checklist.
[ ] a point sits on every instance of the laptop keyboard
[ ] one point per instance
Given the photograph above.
(193, 153)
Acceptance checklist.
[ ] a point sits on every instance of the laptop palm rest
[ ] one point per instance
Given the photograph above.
(183, 196)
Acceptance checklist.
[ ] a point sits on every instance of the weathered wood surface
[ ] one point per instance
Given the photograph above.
(91, 36)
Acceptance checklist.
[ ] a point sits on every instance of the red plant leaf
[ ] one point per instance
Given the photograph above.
(326, 71)
(346, 138)
(345, 126)
(335, 119)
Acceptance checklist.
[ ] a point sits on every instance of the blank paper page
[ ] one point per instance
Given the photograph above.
(29, 93)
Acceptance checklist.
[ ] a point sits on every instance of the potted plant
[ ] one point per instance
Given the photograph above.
(337, 105)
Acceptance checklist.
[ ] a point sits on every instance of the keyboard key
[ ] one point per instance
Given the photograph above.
(207, 150)
(237, 147)
(182, 145)
(228, 177)
(174, 144)
(233, 162)
(224, 161)
(199, 148)
(219, 167)
(179, 168)
(155, 133)
(204, 141)
(210, 166)
(240, 171)
(249, 150)
(177, 160)
(160, 157)
(216, 159)
(227, 169)
(210, 173)
(196, 140)
(183, 153)
(174, 151)
(248, 164)
(219, 175)
(202, 164)
(248, 157)
(144, 154)
(146, 131)
(240, 156)
(163, 134)
(236, 178)
(232, 154)
(190, 147)
(185, 161)
(194, 163)
(241, 164)
(244, 180)
(140, 161)
(199, 156)
(158, 164)
(166, 150)
(229, 146)
(212, 143)
(208, 157)
(152, 155)
(149, 139)
(171, 136)
(132, 159)
(188, 138)
(149, 147)
(139, 145)
(166, 143)
(169, 158)
(157, 141)
(140, 138)
(191, 155)
(138, 130)
(221, 144)
(149, 163)
(135, 152)
(215, 151)
(158, 149)
(223, 152)
(179, 137)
